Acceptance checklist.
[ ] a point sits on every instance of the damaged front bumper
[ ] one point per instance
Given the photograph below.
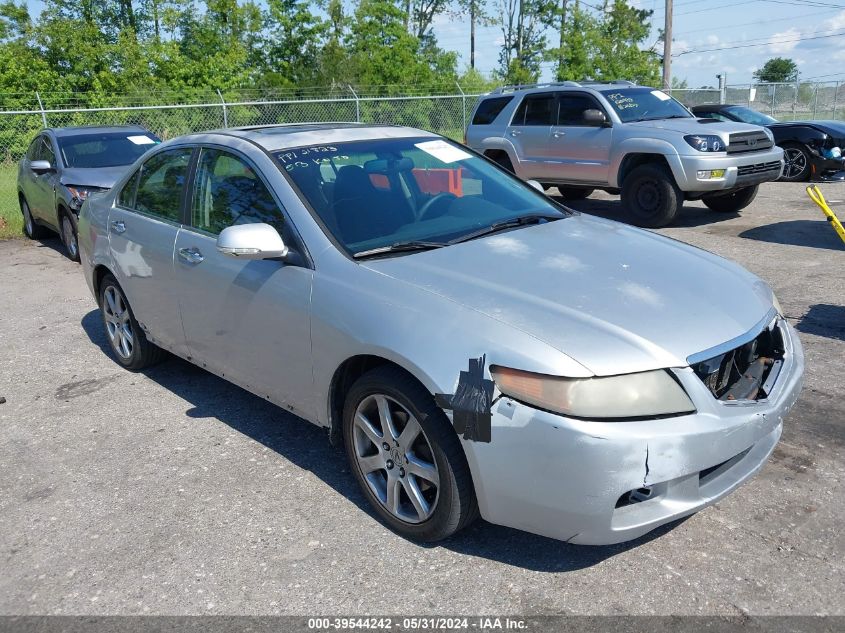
(599, 483)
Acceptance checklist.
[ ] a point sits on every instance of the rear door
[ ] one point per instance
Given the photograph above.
(246, 320)
(143, 226)
(529, 132)
(581, 151)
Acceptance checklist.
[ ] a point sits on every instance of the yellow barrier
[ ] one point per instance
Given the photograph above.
(816, 196)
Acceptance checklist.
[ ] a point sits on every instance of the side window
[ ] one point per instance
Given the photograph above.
(47, 152)
(227, 191)
(127, 194)
(713, 115)
(34, 148)
(536, 110)
(160, 184)
(489, 109)
(572, 109)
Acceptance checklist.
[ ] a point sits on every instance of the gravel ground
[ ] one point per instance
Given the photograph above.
(174, 492)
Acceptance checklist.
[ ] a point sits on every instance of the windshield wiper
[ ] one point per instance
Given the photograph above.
(399, 247)
(522, 220)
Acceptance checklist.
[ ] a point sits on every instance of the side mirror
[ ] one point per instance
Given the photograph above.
(41, 166)
(251, 241)
(595, 117)
(536, 185)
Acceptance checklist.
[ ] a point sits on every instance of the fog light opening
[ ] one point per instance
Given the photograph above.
(634, 496)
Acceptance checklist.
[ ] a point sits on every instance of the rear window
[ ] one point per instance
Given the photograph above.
(107, 149)
(536, 109)
(489, 109)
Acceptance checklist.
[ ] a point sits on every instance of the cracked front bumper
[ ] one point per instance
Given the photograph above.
(563, 478)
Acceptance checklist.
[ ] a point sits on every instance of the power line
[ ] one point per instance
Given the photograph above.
(755, 22)
(769, 43)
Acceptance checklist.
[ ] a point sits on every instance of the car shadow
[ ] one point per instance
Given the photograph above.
(307, 446)
(811, 233)
(823, 319)
(612, 210)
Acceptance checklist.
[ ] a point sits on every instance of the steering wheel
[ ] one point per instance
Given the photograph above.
(425, 210)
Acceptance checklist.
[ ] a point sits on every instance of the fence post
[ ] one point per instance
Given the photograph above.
(815, 99)
(357, 104)
(463, 105)
(774, 90)
(41, 107)
(835, 98)
(225, 112)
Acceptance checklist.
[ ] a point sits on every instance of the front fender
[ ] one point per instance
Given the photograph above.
(645, 146)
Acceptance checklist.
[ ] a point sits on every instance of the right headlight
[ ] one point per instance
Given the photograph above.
(645, 394)
(706, 142)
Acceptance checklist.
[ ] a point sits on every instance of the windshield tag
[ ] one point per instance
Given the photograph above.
(661, 95)
(443, 151)
(141, 140)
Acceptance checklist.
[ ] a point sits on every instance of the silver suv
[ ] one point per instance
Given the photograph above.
(626, 139)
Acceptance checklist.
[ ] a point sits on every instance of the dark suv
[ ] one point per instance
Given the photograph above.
(63, 166)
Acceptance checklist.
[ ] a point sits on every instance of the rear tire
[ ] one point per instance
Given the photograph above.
(651, 197)
(128, 341)
(504, 161)
(32, 230)
(575, 193)
(732, 202)
(381, 460)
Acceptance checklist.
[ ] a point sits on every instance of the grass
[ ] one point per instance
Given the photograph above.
(11, 220)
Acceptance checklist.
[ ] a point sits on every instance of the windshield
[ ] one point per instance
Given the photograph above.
(105, 149)
(644, 104)
(747, 115)
(386, 192)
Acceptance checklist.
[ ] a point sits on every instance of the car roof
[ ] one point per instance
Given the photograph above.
(714, 106)
(290, 135)
(62, 132)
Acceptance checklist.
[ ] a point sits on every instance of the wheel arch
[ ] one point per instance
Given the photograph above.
(635, 159)
(97, 275)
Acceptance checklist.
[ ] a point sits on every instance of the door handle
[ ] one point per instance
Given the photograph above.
(191, 255)
(515, 132)
(118, 226)
(558, 134)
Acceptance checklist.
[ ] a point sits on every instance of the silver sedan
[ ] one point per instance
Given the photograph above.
(477, 348)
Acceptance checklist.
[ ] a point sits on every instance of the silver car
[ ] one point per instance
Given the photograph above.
(477, 348)
(64, 165)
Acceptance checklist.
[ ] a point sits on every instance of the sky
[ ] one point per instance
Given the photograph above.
(701, 27)
(710, 37)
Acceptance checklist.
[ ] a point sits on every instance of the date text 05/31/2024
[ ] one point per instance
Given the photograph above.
(431, 623)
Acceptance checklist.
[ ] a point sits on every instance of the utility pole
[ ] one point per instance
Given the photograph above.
(667, 47)
(561, 55)
(472, 34)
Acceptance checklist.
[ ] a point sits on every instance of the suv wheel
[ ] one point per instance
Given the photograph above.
(575, 193)
(796, 167)
(731, 202)
(128, 342)
(651, 197)
(406, 456)
(69, 237)
(32, 230)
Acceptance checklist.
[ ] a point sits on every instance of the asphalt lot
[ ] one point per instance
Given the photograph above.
(174, 492)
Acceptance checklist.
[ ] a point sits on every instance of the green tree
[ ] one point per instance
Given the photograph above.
(621, 32)
(294, 40)
(777, 70)
(522, 24)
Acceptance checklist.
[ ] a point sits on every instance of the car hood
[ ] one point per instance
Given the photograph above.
(614, 298)
(102, 177)
(695, 126)
(834, 128)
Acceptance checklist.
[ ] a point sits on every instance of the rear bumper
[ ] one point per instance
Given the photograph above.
(741, 170)
(565, 478)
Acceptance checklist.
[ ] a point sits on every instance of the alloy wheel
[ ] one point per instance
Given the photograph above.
(27, 219)
(395, 458)
(118, 323)
(69, 237)
(795, 162)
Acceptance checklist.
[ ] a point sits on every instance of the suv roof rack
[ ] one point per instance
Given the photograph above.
(565, 84)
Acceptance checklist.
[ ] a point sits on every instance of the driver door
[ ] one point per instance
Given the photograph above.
(246, 320)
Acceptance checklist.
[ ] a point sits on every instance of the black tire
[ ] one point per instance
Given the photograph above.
(504, 161)
(455, 504)
(797, 160)
(575, 193)
(142, 353)
(650, 196)
(32, 230)
(69, 235)
(731, 202)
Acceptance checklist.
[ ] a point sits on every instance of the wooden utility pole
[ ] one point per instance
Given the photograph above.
(667, 46)
(561, 55)
(472, 34)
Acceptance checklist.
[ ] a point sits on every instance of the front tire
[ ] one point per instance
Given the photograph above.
(128, 342)
(651, 197)
(32, 230)
(575, 193)
(797, 162)
(732, 202)
(406, 456)
(69, 237)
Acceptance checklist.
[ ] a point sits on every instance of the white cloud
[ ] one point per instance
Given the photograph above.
(784, 41)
